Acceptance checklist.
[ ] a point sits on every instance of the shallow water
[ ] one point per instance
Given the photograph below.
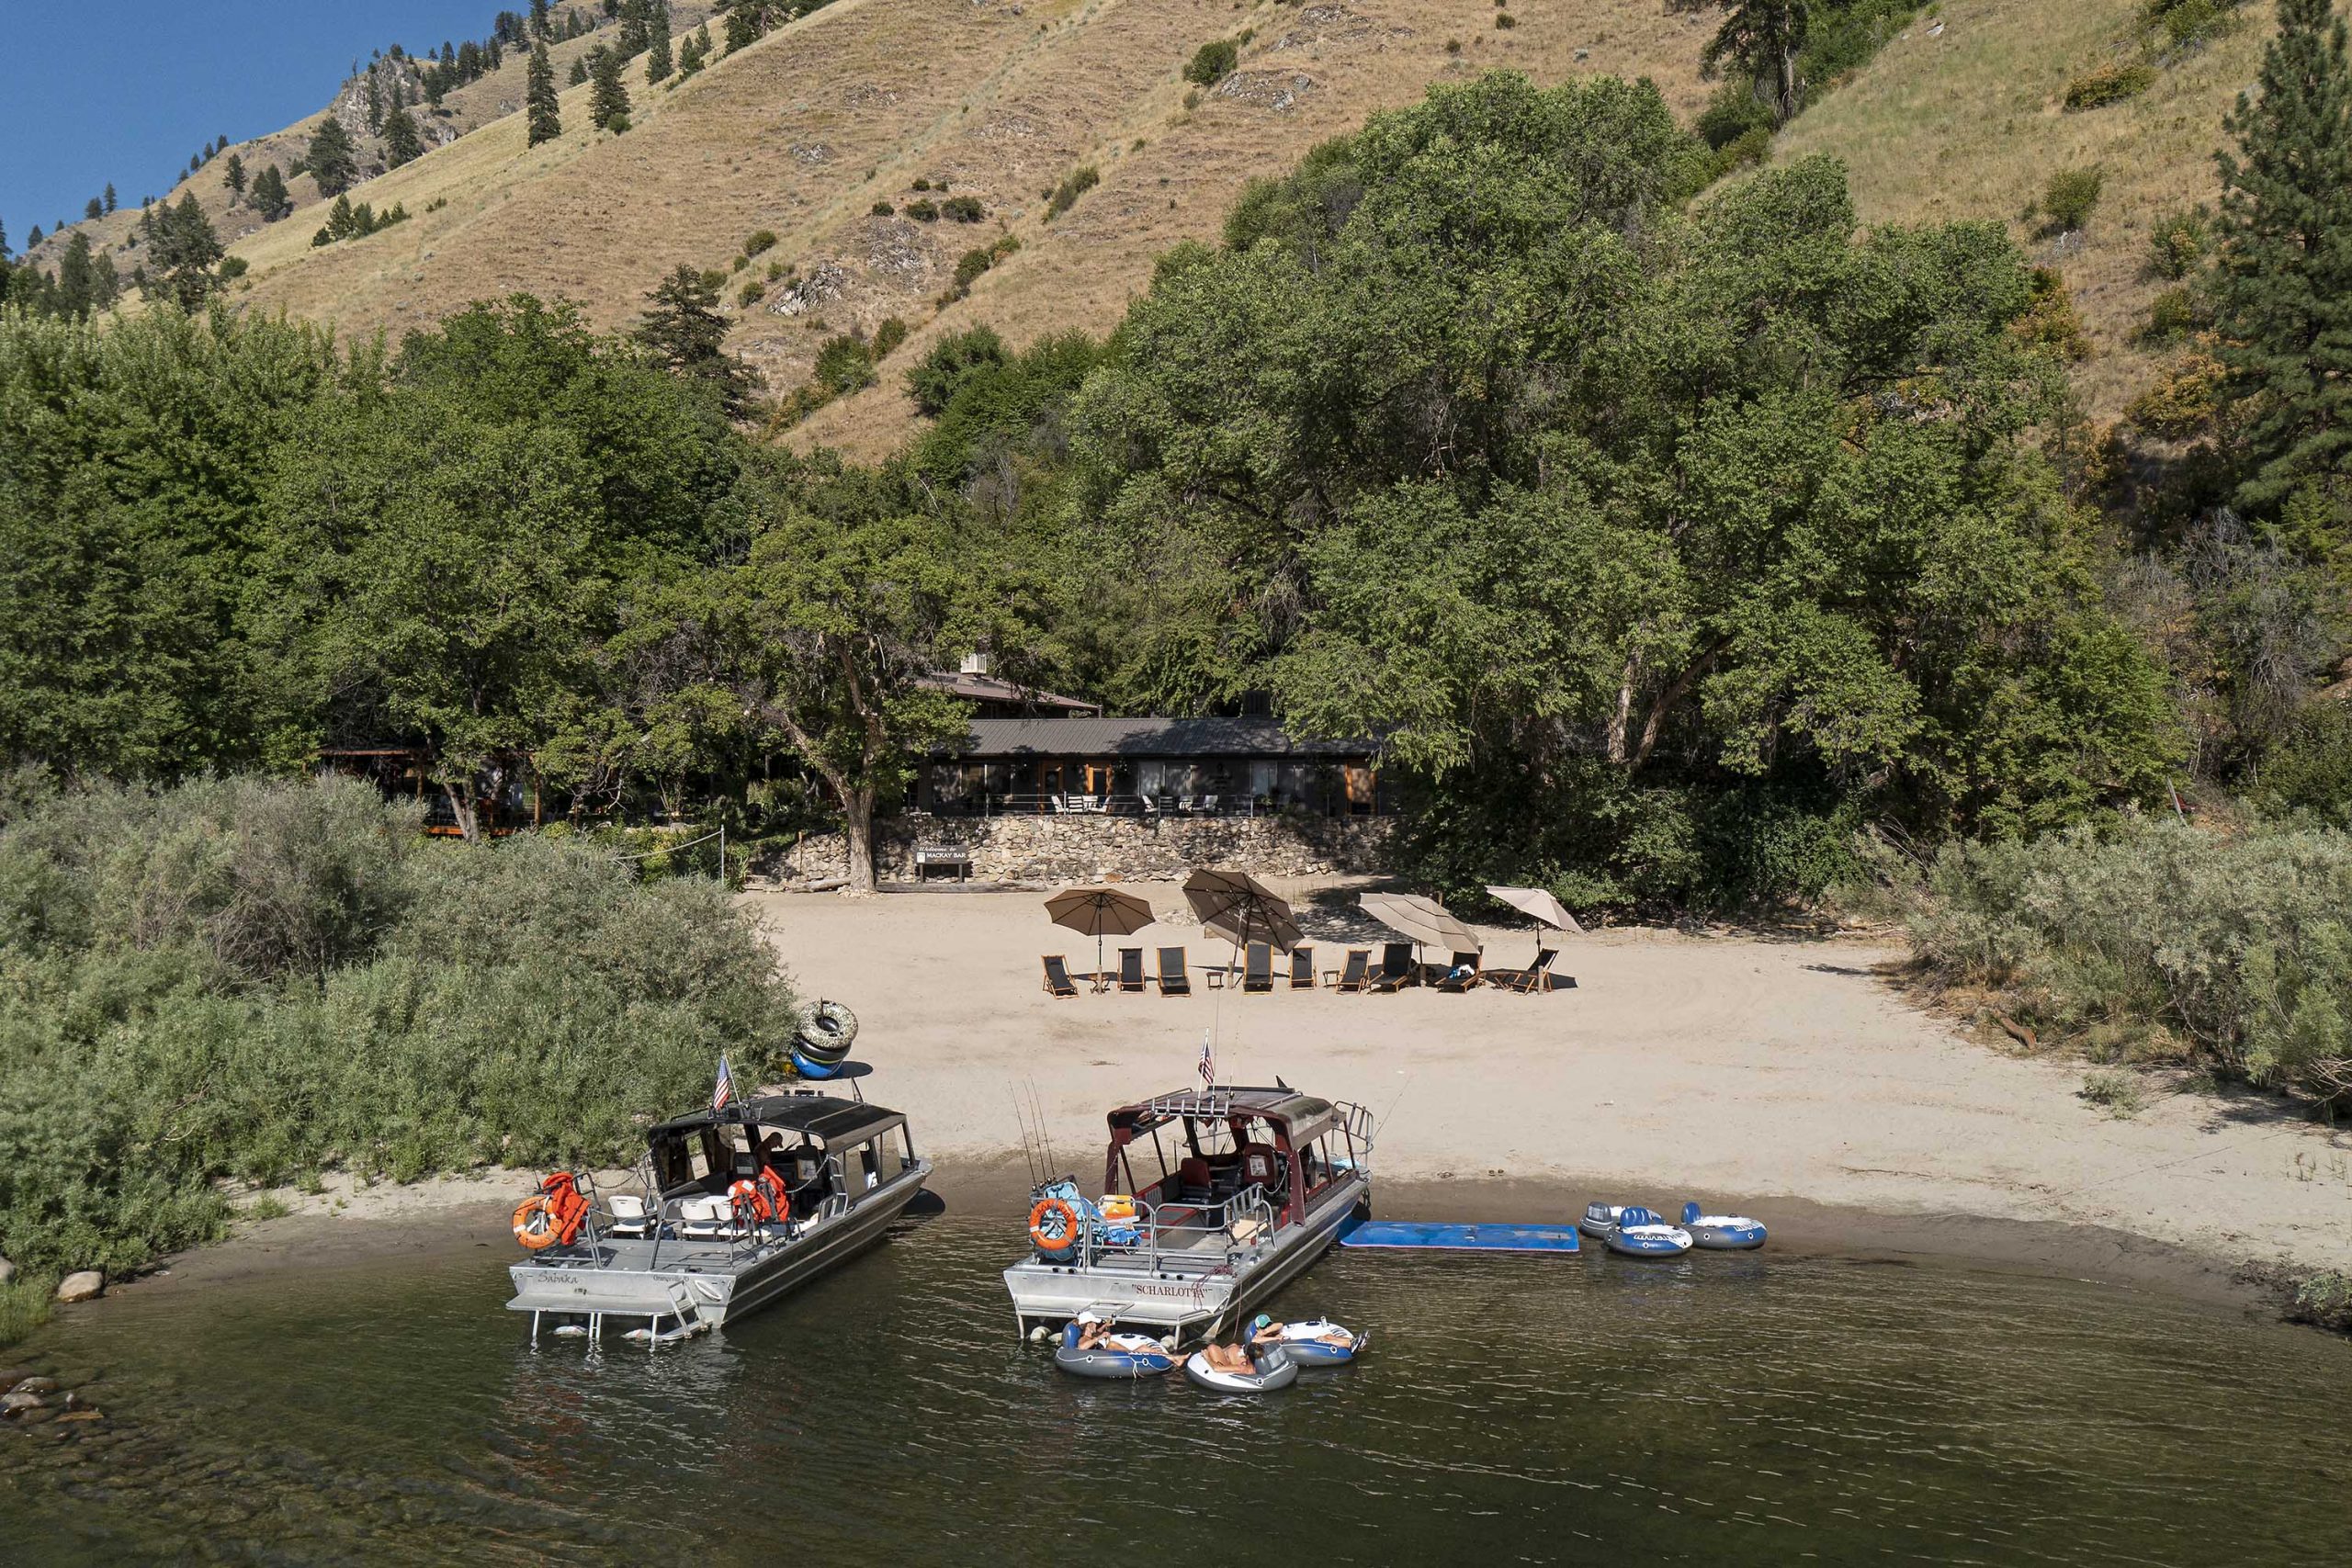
(1742, 1409)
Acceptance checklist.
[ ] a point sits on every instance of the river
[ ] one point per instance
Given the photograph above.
(1715, 1409)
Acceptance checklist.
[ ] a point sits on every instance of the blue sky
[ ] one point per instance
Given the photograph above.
(128, 92)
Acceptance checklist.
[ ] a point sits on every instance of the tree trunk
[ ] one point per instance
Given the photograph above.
(461, 807)
(857, 827)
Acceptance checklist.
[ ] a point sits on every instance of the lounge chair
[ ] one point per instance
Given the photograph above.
(1455, 978)
(1398, 969)
(1173, 980)
(1356, 974)
(1131, 968)
(1537, 976)
(1057, 980)
(1302, 968)
(1258, 973)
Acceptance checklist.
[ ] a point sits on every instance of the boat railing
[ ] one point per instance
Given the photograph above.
(1358, 1123)
(1242, 1218)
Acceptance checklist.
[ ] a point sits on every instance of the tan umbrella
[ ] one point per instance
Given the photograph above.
(1099, 912)
(1424, 920)
(1539, 903)
(1237, 907)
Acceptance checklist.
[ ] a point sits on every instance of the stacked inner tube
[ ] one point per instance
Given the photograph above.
(822, 1043)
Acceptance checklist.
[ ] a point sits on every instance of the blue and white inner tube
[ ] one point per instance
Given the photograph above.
(1722, 1233)
(1119, 1356)
(1314, 1342)
(1641, 1233)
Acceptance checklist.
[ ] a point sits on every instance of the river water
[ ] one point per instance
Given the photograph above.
(1715, 1409)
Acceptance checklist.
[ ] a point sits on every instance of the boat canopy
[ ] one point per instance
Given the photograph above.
(816, 1116)
(1302, 1117)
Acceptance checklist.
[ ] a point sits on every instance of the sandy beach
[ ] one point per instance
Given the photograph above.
(1784, 1073)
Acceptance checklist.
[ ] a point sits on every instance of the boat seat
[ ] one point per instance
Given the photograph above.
(1194, 1185)
(629, 1217)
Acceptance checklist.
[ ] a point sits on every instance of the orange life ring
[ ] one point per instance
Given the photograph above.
(534, 1222)
(1046, 1240)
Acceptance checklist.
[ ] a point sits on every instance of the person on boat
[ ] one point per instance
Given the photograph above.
(1233, 1357)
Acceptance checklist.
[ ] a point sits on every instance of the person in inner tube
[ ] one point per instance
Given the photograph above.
(1264, 1330)
(1230, 1357)
(1094, 1331)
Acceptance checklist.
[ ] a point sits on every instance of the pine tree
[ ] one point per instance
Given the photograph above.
(2283, 283)
(110, 203)
(375, 102)
(269, 194)
(235, 177)
(76, 283)
(106, 288)
(95, 207)
(692, 53)
(685, 333)
(608, 103)
(187, 251)
(3, 242)
(742, 30)
(32, 241)
(402, 143)
(540, 28)
(579, 72)
(1764, 38)
(632, 34)
(544, 116)
(333, 162)
(658, 62)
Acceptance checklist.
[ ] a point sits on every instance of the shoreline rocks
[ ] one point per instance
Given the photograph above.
(86, 1285)
(8, 1271)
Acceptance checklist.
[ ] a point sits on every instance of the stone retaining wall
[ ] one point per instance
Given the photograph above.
(1088, 849)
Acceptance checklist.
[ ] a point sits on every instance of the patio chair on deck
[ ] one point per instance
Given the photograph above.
(1356, 974)
(1302, 968)
(1173, 980)
(1398, 969)
(1131, 968)
(1461, 975)
(1258, 975)
(1057, 980)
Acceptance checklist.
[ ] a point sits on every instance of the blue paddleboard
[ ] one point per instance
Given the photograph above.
(1462, 1238)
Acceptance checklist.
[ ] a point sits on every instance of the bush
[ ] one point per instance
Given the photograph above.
(963, 208)
(2172, 316)
(951, 362)
(1213, 63)
(2108, 84)
(753, 293)
(762, 240)
(241, 980)
(2176, 242)
(921, 210)
(2188, 23)
(883, 209)
(1504, 20)
(2116, 1090)
(2309, 768)
(1732, 113)
(969, 266)
(889, 335)
(2181, 405)
(2235, 949)
(844, 364)
(2071, 196)
(1077, 182)
(922, 185)
(233, 267)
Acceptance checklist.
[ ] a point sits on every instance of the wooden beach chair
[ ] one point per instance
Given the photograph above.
(1356, 974)
(1131, 968)
(1302, 968)
(1057, 980)
(1258, 973)
(1173, 980)
(1398, 968)
(1536, 976)
(1454, 979)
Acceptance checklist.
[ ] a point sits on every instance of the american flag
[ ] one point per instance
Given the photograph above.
(1208, 1065)
(723, 1092)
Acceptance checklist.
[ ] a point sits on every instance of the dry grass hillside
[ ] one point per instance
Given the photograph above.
(804, 133)
(1971, 124)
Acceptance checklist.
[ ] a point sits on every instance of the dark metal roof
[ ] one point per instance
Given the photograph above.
(996, 689)
(1291, 1108)
(1149, 737)
(813, 1115)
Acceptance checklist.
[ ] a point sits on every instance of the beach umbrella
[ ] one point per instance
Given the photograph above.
(1425, 920)
(1099, 912)
(1539, 903)
(1236, 906)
